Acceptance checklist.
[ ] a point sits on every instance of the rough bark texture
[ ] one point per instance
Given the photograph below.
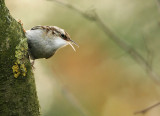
(18, 96)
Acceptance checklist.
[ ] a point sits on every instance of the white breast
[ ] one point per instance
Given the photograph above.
(42, 45)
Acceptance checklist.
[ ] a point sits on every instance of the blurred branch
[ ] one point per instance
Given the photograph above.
(147, 109)
(148, 51)
(93, 16)
(69, 96)
(158, 4)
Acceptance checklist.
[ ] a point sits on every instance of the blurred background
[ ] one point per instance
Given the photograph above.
(99, 79)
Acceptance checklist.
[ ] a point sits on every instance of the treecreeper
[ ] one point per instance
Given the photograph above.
(44, 41)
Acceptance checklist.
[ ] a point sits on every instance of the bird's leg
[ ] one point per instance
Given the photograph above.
(20, 22)
(32, 64)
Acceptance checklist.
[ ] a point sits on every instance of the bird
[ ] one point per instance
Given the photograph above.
(44, 41)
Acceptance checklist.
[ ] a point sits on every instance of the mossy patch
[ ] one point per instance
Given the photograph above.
(21, 53)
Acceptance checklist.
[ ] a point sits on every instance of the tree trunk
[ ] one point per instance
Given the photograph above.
(18, 96)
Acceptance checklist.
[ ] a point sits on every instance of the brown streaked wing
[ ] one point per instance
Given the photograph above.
(37, 27)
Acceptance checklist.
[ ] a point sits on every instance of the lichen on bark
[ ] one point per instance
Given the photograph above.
(21, 53)
(18, 96)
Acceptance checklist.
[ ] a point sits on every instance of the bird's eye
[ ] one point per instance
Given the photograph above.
(64, 37)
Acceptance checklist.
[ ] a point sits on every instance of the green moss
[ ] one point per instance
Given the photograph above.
(18, 95)
(21, 52)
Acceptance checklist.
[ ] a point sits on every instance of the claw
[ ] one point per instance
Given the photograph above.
(32, 64)
(20, 22)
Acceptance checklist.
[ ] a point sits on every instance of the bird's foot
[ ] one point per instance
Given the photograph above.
(32, 64)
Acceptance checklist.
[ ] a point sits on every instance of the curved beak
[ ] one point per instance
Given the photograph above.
(72, 42)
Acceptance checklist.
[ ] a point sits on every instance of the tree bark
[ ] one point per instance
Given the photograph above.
(18, 96)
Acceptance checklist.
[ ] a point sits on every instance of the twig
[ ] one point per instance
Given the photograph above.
(147, 109)
(93, 16)
(69, 96)
(148, 51)
(158, 4)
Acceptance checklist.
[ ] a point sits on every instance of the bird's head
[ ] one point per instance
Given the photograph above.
(62, 38)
